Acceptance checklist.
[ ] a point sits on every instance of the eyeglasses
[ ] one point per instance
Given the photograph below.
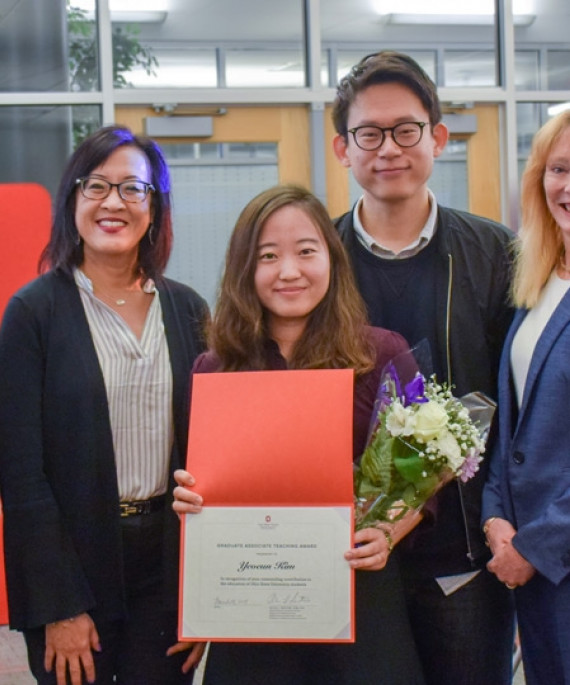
(98, 189)
(406, 134)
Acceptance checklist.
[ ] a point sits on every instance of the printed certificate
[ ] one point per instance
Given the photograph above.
(271, 452)
(267, 573)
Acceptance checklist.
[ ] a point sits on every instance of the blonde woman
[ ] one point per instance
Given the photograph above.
(526, 510)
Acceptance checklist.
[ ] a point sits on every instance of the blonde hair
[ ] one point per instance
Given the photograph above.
(335, 335)
(540, 241)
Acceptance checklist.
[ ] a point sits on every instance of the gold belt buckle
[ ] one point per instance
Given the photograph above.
(128, 509)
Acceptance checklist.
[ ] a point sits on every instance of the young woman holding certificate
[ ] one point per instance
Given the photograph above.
(288, 301)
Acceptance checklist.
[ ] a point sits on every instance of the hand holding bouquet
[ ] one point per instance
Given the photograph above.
(421, 438)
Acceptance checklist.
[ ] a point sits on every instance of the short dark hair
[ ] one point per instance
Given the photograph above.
(64, 250)
(387, 66)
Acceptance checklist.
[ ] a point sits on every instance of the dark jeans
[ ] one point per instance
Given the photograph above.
(467, 637)
(133, 650)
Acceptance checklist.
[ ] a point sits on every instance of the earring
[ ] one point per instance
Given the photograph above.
(77, 239)
(150, 236)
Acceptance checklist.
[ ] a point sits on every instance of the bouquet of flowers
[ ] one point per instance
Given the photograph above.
(421, 438)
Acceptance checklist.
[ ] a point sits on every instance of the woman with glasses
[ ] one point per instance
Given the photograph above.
(95, 357)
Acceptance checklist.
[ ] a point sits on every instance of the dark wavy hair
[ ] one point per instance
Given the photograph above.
(335, 334)
(387, 66)
(64, 249)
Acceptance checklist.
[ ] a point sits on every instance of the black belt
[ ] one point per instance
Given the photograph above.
(140, 507)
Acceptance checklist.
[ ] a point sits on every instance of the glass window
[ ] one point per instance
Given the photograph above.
(546, 33)
(36, 141)
(257, 44)
(221, 152)
(466, 68)
(422, 30)
(449, 180)
(132, 58)
(82, 46)
(48, 46)
(527, 69)
(267, 68)
(166, 67)
(558, 69)
(529, 120)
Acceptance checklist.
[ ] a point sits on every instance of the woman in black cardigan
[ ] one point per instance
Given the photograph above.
(95, 357)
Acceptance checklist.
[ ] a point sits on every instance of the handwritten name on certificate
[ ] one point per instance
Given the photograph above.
(267, 573)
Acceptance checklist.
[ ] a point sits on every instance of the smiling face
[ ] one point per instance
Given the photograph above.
(556, 183)
(113, 227)
(292, 273)
(391, 173)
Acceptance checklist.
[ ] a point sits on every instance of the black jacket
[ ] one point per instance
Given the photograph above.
(473, 315)
(57, 472)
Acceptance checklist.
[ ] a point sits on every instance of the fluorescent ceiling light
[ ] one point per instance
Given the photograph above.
(449, 11)
(138, 17)
(147, 11)
(124, 5)
(453, 19)
(553, 110)
(447, 6)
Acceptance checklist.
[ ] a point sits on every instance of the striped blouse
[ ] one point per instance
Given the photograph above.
(138, 381)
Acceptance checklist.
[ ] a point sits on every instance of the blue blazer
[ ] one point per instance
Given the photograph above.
(529, 477)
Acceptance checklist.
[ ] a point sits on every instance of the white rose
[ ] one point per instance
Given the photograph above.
(400, 420)
(431, 420)
(447, 445)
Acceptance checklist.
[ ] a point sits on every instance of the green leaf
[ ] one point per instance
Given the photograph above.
(410, 467)
(376, 462)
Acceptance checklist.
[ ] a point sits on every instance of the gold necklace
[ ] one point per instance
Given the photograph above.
(120, 301)
(148, 288)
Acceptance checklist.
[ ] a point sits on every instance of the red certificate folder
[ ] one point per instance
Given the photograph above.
(271, 438)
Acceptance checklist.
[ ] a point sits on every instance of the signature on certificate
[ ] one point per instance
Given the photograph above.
(288, 598)
(231, 602)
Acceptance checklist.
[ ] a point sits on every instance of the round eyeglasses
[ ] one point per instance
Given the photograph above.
(406, 134)
(98, 189)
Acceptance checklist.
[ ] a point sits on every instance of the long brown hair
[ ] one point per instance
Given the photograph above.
(334, 336)
(540, 244)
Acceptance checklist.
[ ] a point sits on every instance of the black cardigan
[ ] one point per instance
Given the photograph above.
(57, 472)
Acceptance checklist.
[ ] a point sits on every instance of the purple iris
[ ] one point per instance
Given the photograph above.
(413, 392)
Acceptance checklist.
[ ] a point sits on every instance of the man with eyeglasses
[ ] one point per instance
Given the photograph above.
(434, 273)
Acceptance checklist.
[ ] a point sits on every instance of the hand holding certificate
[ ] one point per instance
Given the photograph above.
(271, 453)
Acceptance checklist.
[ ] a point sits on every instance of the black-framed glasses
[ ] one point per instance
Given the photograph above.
(94, 188)
(406, 134)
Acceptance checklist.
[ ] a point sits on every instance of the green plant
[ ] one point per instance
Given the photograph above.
(128, 52)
